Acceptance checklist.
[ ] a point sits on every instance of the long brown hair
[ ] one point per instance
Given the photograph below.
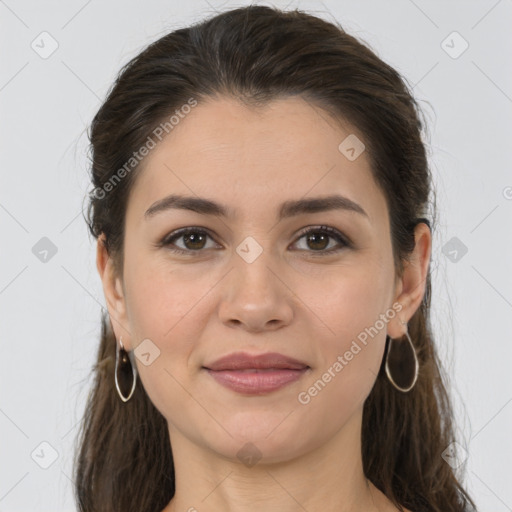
(123, 459)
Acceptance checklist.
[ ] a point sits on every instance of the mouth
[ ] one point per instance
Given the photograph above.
(256, 375)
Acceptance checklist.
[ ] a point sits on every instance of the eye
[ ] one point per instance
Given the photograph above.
(318, 238)
(194, 240)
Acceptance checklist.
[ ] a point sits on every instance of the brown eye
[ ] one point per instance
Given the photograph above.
(194, 240)
(317, 239)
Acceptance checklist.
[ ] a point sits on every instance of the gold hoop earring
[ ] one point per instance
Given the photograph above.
(125, 371)
(402, 365)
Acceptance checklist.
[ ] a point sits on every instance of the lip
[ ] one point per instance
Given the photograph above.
(245, 361)
(256, 374)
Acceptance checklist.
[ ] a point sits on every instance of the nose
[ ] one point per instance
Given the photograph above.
(255, 296)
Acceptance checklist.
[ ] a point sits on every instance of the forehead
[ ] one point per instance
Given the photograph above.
(248, 158)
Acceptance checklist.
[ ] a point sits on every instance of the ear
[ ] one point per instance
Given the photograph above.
(411, 286)
(114, 293)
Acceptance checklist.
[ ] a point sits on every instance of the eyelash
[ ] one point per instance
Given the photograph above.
(333, 233)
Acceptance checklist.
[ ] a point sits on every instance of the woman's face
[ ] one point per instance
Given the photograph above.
(253, 282)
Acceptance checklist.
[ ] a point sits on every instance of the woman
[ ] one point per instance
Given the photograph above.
(261, 196)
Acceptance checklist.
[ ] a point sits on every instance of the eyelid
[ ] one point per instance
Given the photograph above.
(333, 232)
(330, 231)
(178, 233)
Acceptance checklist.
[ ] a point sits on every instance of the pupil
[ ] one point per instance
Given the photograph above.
(313, 237)
(192, 238)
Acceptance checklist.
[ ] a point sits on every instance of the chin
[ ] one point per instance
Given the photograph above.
(267, 440)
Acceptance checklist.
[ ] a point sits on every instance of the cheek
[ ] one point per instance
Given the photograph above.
(348, 299)
(168, 307)
(355, 312)
(160, 298)
(349, 361)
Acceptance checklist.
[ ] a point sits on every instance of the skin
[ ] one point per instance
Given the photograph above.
(200, 306)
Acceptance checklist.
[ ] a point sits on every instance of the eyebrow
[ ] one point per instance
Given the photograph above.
(287, 209)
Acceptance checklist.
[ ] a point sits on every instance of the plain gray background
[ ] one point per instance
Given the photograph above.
(50, 310)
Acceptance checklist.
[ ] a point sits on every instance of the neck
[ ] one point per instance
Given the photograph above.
(328, 478)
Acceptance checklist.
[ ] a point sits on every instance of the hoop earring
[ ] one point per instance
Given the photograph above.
(125, 371)
(402, 363)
